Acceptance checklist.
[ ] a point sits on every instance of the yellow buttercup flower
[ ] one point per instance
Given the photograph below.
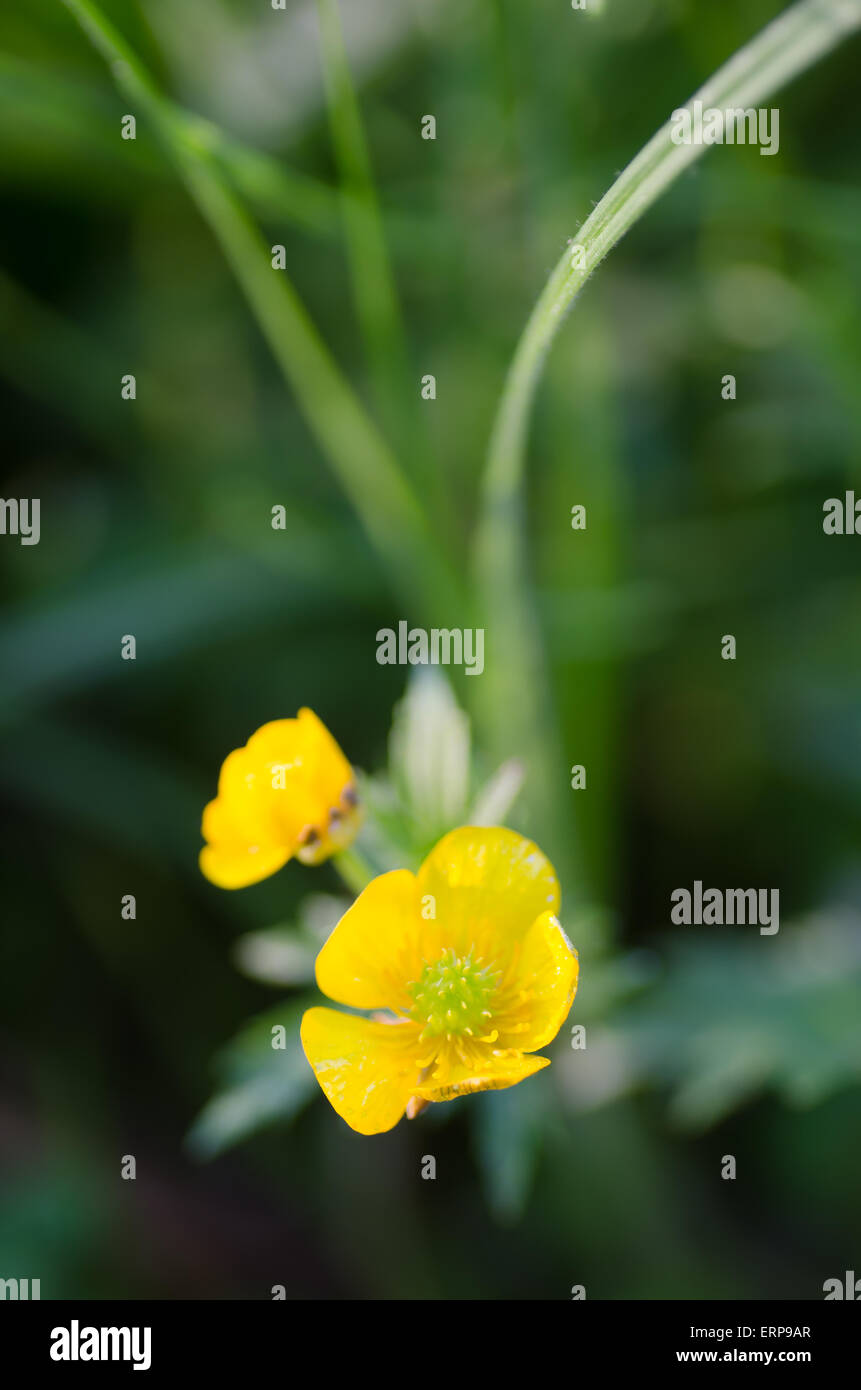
(469, 961)
(289, 791)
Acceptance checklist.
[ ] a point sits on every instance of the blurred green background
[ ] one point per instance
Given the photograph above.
(704, 518)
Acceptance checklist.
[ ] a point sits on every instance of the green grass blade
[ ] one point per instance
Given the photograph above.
(365, 466)
(374, 289)
(513, 695)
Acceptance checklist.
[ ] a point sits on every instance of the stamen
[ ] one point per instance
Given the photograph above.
(452, 994)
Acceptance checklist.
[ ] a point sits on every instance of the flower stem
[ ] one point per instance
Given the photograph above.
(512, 704)
(793, 42)
(354, 869)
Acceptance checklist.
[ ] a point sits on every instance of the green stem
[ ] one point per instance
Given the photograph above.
(373, 281)
(354, 868)
(265, 183)
(513, 701)
(366, 468)
(793, 42)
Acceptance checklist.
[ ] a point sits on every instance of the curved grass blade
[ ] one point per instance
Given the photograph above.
(512, 705)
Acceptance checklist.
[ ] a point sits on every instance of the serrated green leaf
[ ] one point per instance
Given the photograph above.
(731, 1018)
(507, 1133)
(261, 1085)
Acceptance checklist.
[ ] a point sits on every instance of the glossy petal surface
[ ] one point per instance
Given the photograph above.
(367, 1070)
(286, 793)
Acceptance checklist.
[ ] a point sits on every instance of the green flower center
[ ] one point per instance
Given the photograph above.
(451, 996)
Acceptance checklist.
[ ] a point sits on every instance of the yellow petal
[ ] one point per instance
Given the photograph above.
(246, 798)
(488, 887)
(539, 987)
(286, 792)
(487, 1070)
(240, 868)
(367, 1071)
(373, 952)
(303, 768)
(238, 853)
